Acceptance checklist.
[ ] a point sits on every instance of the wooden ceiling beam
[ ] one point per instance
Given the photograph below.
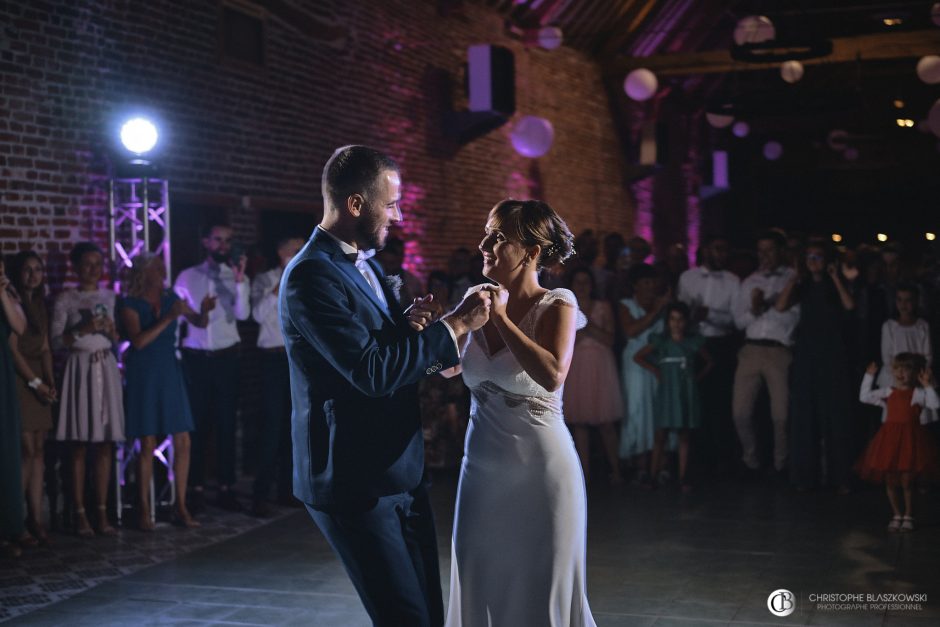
(900, 45)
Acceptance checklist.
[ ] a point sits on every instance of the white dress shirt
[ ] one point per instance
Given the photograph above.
(715, 289)
(362, 265)
(264, 308)
(895, 339)
(772, 324)
(195, 283)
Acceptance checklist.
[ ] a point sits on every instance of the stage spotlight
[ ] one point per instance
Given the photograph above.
(836, 238)
(139, 135)
(930, 236)
(882, 237)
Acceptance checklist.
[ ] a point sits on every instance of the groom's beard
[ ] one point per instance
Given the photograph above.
(371, 233)
(219, 258)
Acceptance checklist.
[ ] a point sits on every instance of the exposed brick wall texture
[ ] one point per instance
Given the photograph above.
(363, 72)
(336, 72)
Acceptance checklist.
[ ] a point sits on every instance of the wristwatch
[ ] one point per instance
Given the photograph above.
(35, 383)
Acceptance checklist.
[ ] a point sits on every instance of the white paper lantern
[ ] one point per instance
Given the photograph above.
(791, 71)
(719, 120)
(933, 118)
(850, 154)
(935, 13)
(532, 136)
(837, 139)
(754, 29)
(741, 129)
(772, 150)
(928, 69)
(550, 37)
(640, 84)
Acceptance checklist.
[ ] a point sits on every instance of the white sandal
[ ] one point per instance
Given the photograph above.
(907, 524)
(895, 524)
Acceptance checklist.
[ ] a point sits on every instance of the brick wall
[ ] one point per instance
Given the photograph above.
(245, 139)
(334, 73)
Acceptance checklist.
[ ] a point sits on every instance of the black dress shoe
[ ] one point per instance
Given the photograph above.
(228, 502)
(259, 509)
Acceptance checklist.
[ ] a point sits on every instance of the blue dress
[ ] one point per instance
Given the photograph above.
(639, 388)
(155, 397)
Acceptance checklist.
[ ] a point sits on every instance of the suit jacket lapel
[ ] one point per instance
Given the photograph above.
(348, 268)
(394, 307)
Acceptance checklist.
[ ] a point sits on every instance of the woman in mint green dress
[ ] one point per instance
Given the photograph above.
(673, 358)
(640, 317)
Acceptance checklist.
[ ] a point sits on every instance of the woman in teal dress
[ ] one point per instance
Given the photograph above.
(640, 317)
(12, 320)
(673, 358)
(155, 397)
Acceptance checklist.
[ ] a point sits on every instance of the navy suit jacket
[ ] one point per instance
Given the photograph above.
(354, 369)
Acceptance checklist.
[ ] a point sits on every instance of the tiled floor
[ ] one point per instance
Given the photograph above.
(654, 558)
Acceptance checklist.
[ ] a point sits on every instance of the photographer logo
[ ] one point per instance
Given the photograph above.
(781, 602)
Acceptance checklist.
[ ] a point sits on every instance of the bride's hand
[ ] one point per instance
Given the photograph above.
(499, 296)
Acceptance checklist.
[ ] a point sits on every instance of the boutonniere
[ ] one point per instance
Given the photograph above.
(393, 282)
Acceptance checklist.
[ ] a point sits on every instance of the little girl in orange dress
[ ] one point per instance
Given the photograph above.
(902, 449)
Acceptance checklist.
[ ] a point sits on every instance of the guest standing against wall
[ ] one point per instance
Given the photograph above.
(92, 407)
(12, 320)
(155, 397)
(36, 387)
(211, 359)
(274, 464)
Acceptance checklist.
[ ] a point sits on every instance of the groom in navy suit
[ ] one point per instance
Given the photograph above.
(354, 367)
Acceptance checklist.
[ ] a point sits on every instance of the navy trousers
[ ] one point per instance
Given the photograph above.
(389, 550)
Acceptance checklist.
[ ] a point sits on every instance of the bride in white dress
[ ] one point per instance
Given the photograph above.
(518, 552)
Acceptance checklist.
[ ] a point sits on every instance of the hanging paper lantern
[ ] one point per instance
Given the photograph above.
(550, 37)
(928, 69)
(933, 118)
(772, 150)
(640, 84)
(754, 29)
(791, 71)
(837, 139)
(532, 136)
(719, 120)
(741, 129)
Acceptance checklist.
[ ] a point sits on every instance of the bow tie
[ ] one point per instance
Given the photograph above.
(360, 255)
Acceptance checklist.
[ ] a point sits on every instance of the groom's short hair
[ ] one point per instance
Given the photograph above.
(352, 170)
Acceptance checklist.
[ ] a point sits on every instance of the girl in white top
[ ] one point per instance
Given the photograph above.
(906, 334)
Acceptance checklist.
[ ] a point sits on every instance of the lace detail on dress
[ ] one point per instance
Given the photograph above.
(559, 296)
(537, 405)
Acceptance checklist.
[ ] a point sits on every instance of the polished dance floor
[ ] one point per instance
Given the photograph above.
(712, 557)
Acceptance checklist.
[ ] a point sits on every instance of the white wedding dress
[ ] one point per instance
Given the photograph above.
(518, 551)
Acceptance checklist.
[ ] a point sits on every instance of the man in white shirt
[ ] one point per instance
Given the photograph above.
(765, 357)
(211, 357)
(710, 291)
(274, 455)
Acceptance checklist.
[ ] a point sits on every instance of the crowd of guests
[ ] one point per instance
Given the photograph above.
(681, 358)
(665, 381)
(130, 377)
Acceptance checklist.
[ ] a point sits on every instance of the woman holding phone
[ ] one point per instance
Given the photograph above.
(92, 407)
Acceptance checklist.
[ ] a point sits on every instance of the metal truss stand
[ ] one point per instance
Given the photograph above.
(139, 221)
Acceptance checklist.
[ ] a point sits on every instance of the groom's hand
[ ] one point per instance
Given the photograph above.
(471, 314)
(421, 312)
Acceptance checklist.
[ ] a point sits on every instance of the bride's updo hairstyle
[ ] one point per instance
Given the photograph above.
(531, 223)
